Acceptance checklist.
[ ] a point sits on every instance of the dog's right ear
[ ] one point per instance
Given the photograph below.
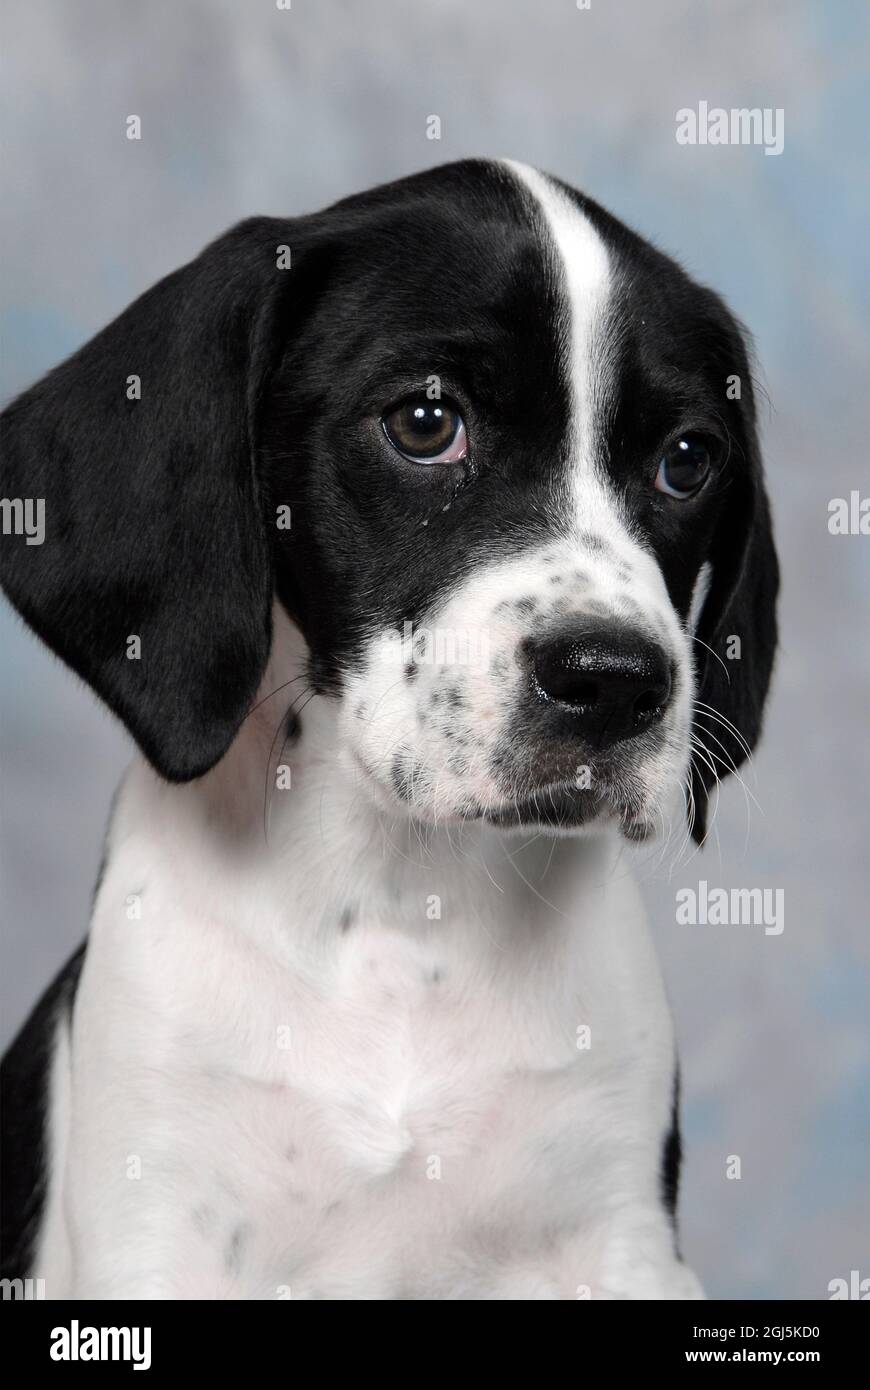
(153, 579)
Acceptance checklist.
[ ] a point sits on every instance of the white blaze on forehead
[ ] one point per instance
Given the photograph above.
(586, 283)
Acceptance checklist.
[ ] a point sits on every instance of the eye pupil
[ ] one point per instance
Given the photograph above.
(425, 430)
(684, 467)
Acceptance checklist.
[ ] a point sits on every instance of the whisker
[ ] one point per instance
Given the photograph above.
(723, 719)
(732, 767)
(712, 653)
(277, 689)
(282, 728)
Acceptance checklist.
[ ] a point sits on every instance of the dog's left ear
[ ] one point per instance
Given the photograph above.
(737, 628)
(153, 579)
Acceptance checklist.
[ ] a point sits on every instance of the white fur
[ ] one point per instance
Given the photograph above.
(585, 270)
(341, 1045)
(413, 1042)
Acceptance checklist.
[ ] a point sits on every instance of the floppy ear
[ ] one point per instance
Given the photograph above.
(738, 628)
(141, 447)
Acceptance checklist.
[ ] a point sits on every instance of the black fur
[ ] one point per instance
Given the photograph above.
(24, 1082)
(264, 387)
(672, 1155)
(442, 274)
(152, 511)
(741, 603)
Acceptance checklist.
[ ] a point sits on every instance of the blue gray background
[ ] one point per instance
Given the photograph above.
(248, 109)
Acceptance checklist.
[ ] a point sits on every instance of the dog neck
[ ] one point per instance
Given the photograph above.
(288, 842)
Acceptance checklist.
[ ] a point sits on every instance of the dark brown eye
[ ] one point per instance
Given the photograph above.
(685, 466)
(426, 431)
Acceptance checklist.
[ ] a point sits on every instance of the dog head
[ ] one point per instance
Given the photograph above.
(494, 454)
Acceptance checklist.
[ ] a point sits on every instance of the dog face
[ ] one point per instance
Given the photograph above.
(495, 455)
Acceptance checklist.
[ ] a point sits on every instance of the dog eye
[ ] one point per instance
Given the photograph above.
(685, 467)
(426, 431)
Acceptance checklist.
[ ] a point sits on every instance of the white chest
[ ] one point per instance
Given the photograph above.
(358, 1085)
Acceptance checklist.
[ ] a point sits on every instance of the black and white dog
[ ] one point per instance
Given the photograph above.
(406, 539)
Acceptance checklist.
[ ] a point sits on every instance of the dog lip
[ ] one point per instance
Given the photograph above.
(554, 803)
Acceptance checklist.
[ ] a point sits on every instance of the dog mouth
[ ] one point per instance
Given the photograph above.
(563, 794)
(567, 808)
(556, 805)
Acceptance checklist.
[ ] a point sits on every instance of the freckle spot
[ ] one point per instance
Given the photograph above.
(347, 918)
(203, 1217)
(235, 1248)
(596, 544)
(402, 775)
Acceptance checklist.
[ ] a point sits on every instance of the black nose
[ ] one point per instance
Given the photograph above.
(612, 681)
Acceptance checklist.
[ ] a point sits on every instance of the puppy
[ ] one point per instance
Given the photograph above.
(407, 540)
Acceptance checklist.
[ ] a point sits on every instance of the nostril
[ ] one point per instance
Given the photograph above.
(650, 703)
(560, 676)
(567, 689)
(653, 698)
(584, 693)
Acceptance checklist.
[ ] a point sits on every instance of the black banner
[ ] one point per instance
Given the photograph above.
(237, 1338)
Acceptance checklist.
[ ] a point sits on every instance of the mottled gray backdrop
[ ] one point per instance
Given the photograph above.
(248, 109)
